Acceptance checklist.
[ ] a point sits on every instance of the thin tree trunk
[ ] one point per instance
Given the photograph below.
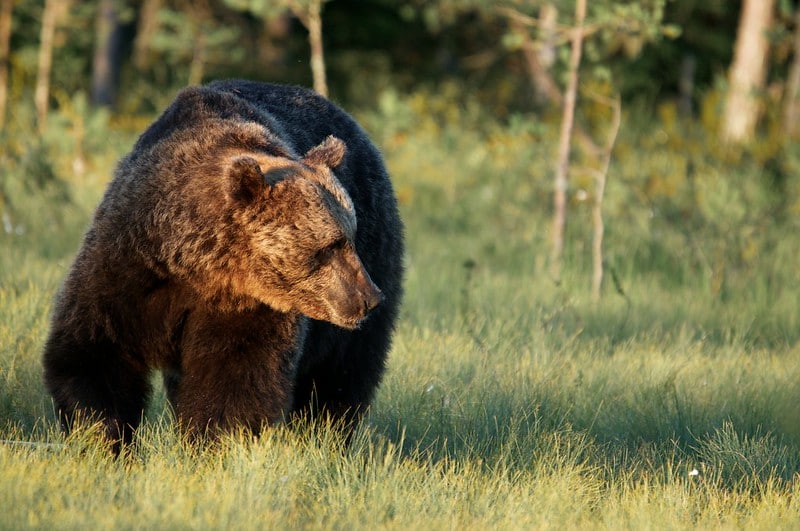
(748, 71)
(540, 78)
(41, 96)
(198, 64)
(567, 121)
(5, 47)
(597, 206)
(104, 63)
(201, 20)
(314, 27)
(311, 18)
(686, 84)
(548, 35)
(544, 86)
(271, 51)
(145, 29)
(791, 108)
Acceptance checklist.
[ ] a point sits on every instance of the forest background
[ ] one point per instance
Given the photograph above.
(602, 208)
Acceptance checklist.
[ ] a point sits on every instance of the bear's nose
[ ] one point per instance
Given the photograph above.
(372, 299)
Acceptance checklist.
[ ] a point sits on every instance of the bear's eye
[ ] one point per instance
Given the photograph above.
(325, 255)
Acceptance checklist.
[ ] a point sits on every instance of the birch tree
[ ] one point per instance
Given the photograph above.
(791, 106)
(567, 121)
(309, 13)
(104, 62)
(5, 47)
(53, 10)
(145, 29)
(748, 71)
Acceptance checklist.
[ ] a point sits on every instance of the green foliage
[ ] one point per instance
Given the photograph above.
(182, 35)
(269, 8)
(72, 52)
(413, 40)
(625, 27)
(612, 29)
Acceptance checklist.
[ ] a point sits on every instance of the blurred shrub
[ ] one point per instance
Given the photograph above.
(679, 205)
(55, 174)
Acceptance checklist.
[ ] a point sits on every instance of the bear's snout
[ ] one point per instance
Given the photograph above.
(343, 293)
(367, 293)
(372, 299)
(371, 295)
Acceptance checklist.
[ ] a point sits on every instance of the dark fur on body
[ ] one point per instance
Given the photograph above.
(231, 238)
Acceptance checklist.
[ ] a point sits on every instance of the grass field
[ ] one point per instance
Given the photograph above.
(510, 402)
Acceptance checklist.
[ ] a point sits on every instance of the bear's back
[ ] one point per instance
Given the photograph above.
(302, 117)
(195, 106)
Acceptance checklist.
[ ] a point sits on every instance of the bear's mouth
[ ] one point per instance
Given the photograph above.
(349, 323)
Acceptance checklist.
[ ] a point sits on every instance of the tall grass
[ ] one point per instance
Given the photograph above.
(510, 402)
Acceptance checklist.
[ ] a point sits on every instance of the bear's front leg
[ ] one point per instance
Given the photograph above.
(237, 369)
(340, 371)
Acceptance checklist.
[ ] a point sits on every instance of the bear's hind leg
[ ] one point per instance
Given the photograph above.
(95, 383)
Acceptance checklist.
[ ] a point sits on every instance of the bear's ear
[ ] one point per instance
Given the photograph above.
(245, 178)
(329, 153)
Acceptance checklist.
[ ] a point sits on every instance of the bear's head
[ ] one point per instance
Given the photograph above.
(301, 227)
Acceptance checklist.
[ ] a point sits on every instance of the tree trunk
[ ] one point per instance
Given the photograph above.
(686, 85)
(198, 64)
(539, 59)
(748, 71)
(271, 41)
(597, 206)
(791, 106)
(567, 121)
(536, 64)
(146, 27)
(5, 47)
(311, 17)
(41, 96)
(548, 35)
(315, 41)
(201, 22)
(104, 63)
(545, 89)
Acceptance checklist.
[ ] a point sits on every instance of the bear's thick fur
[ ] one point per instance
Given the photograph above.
(250, 248)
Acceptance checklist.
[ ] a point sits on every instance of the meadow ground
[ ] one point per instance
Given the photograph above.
(510, 402)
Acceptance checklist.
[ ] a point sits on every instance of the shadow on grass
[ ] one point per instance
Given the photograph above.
(745, 443)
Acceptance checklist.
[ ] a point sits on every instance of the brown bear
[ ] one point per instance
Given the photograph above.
(250, 248)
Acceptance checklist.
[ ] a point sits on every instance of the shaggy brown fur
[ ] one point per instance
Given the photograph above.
(219, 256)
